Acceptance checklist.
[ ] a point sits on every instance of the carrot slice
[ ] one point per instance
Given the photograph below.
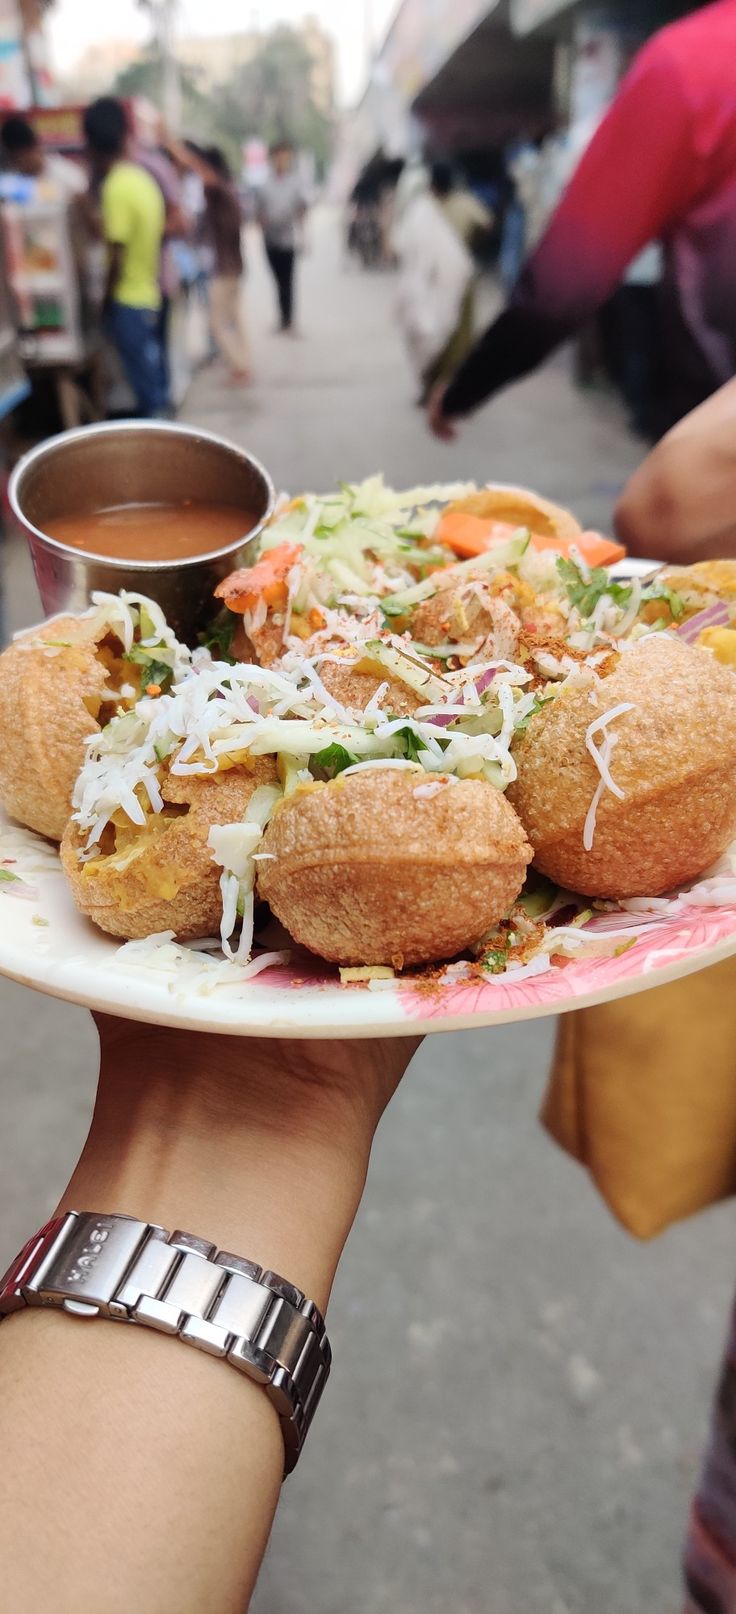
(469, 535)
(600, 551)
(266, 580)
(594, 548)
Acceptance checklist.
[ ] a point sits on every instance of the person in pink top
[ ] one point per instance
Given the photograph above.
(662, 166)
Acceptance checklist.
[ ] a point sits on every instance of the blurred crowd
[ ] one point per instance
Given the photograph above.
(618, 233)
(168, 219)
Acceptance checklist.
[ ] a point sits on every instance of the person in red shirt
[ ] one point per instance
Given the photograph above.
(662, 166)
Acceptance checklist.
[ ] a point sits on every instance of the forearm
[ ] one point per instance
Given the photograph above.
(681, 503)
(515, 344)
(191, 160)
(114, 265)
(623, 194)
(149, 1469)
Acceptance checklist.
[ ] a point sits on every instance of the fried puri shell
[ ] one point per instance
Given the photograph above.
(365, 872)
(521, 508)
(50, 699)
(354, 688)
(705, 577)
(674, 758)
(163, 877)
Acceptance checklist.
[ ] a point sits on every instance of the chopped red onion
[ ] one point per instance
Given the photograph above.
(716, 616)
(486, 679)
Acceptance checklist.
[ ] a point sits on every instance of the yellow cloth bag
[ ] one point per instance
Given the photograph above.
(643, 1093)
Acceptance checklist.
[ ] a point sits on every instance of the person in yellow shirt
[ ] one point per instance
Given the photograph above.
(133, 220)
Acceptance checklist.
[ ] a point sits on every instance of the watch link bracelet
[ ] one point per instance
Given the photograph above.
(135, 1272)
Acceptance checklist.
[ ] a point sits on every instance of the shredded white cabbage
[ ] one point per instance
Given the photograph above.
(233, 846)
(602, 760)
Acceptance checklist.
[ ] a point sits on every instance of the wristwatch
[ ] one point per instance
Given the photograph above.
(135, 1272)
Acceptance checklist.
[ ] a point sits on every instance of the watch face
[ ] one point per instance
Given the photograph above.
(27, 1262)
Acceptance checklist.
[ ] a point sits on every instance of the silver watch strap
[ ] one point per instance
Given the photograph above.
(130, 1271)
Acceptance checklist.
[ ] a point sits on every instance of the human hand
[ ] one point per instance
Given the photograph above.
(437, 421)
(261, 1145)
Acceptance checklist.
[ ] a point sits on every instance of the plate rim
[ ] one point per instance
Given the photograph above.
(401, 1024)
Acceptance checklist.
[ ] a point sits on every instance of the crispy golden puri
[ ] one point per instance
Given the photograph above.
(674, 758)
(705, 577)
(364, 871)
(163, 877)
(50, 700)
(520, 508)
(354, 685)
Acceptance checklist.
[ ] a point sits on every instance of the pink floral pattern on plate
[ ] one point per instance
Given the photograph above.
(667, 943)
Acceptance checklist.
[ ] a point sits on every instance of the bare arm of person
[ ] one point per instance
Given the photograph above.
(680, 505)
(115, 250)
(627, 190)
(149, 1473)
(192, 160)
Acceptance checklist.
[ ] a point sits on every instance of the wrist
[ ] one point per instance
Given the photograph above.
(213, 1135)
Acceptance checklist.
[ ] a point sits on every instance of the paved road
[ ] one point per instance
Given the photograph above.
(519, 1395)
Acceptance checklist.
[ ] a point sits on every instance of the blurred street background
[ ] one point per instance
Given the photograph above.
(519, 1397)
(519, 1400)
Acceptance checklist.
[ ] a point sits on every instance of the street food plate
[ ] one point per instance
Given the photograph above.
(45, 943)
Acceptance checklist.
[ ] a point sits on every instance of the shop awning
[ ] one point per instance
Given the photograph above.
(493, 87)
(526, 15)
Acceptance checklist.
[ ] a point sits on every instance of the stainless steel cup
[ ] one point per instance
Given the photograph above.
(136, 462)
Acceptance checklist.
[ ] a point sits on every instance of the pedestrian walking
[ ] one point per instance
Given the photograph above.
(133, 219)
(472, 223)
(435, 274)
(282, 208)
(660, 167)
(222, 227)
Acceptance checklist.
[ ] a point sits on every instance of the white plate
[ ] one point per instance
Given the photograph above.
(45, 943)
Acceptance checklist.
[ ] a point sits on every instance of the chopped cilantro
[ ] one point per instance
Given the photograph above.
(585, 594)
(411, 742)
(537, 704)
(218, 637)
(495, 961)
(333, 760)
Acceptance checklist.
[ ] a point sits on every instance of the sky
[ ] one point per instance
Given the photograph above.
(74, 24)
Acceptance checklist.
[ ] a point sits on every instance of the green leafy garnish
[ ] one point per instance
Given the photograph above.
(537, 704)
(218, 637)
(388, 609)
(156, 661)
(495, 962)
(8, 878)
(332, 761)
(411, 742)
(658, 591)
(585, 593)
